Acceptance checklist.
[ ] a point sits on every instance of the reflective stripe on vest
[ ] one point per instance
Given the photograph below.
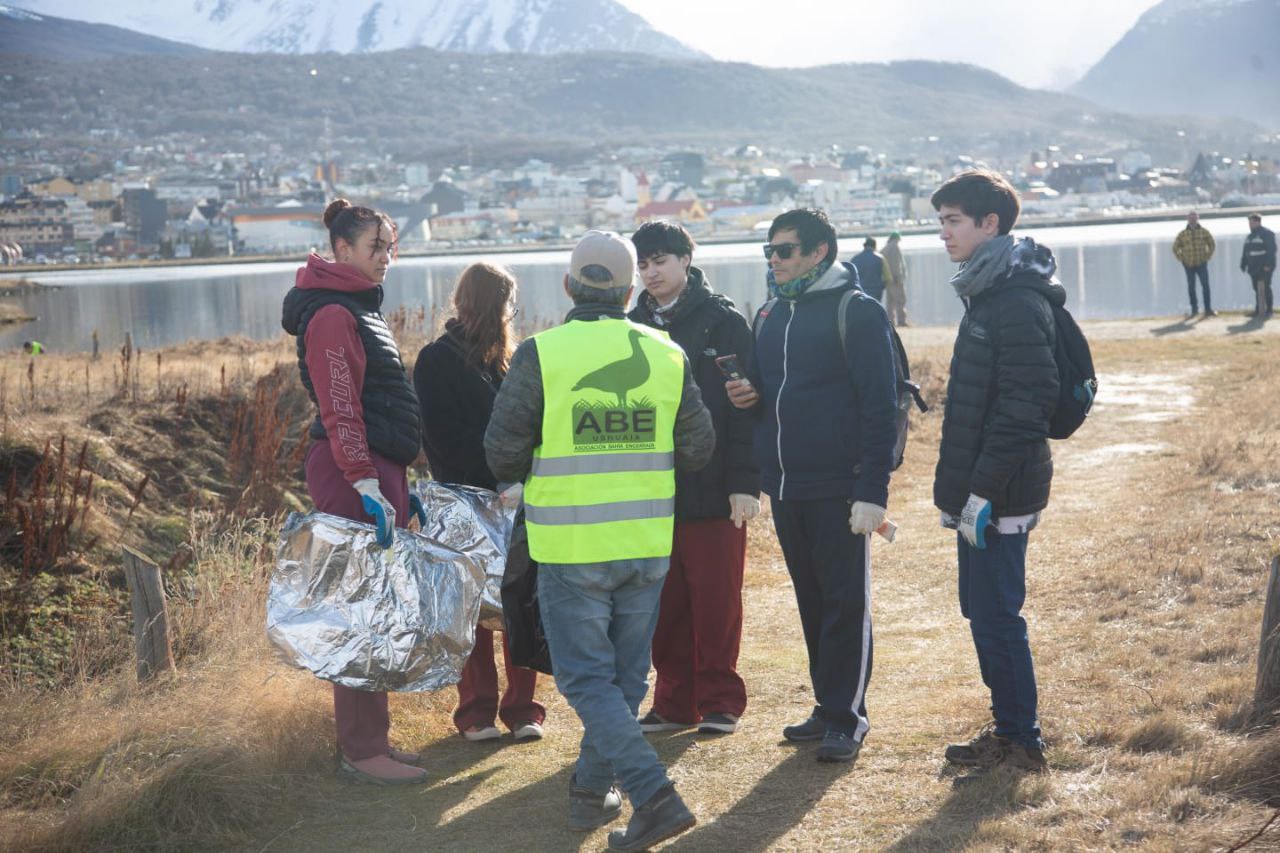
(602, 483)
(602, 464)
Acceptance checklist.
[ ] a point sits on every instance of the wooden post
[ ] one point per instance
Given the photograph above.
(150, 621)
(1266, 695)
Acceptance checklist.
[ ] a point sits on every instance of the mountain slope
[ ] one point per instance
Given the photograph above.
(427, 103)
(1198, 57)
(360, 26)
(25, 32)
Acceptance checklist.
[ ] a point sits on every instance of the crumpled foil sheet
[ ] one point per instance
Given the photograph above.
(400, 619)
(474, 521)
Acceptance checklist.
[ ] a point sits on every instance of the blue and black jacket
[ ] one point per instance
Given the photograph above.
(826, 426)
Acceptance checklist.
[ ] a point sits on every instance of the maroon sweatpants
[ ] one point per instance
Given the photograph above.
(695, 646)
(361, 715)
(478, 689)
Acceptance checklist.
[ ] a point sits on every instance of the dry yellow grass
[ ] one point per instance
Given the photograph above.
(1145, 589)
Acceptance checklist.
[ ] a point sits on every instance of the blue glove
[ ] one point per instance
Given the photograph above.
(417, 511)
(975, 518)
(378, 508)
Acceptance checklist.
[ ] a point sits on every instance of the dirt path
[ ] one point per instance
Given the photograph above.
(751, 791)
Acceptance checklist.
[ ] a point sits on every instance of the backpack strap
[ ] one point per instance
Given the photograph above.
(757, 323)
(899, 351)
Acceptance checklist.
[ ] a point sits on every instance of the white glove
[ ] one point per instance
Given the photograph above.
(975, 518)
(379, 508)
(512, 496)
(865, 517)
(743, 508)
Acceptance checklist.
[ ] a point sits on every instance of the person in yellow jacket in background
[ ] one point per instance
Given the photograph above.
(1193, 247)
(594, 417)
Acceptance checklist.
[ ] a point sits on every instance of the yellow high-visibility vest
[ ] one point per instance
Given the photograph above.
(602, 486)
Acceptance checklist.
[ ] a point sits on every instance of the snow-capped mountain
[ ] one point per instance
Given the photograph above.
(359, 26)
(1197, 57)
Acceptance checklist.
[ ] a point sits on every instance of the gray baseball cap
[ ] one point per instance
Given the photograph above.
(605, 249)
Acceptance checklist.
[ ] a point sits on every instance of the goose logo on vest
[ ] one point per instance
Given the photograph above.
(608, 419)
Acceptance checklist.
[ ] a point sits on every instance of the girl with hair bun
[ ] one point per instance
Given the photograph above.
(457, 377)
(365, 434)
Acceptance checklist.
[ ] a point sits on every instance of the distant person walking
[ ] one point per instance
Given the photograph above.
(595, 416)
(695, 646)
(33, 347)
(1259, 261)
(994, 464)
(874, 274)
(1193, 247)
(457, 377)
(363, 438)
(895, 290)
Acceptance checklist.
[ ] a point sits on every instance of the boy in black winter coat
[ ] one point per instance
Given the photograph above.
(994, 466)
(695, 646)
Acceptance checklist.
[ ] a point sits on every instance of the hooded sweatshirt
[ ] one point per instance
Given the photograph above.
(351, 367)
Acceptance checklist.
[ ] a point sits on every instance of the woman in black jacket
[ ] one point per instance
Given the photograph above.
(456, 377)
(695, 645)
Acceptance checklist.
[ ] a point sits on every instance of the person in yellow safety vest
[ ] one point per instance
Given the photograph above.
(594, 417)
(33, 347)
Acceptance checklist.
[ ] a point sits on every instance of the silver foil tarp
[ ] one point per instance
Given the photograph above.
(474, 521)
(400, 619)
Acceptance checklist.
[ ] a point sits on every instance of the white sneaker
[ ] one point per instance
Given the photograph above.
(482, 733)
(527, 731)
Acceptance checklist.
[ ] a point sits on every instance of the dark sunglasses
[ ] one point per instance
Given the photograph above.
(782, 250)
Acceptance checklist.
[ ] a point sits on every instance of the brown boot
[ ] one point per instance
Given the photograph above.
(985, 750)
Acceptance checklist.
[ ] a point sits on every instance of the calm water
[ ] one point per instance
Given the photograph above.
(1110, 271)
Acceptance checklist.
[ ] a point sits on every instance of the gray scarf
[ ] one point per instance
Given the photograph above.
(1001, 257)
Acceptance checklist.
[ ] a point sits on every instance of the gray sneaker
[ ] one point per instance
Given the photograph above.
(589, 810)
(810, 729)
(663, 816)
(838, 746)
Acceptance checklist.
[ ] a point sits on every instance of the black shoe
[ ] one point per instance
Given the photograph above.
(985, 750)
(718, 724)
(664, 816)
(654, 722)
(810, 729)
(838, 746)
(589, 810)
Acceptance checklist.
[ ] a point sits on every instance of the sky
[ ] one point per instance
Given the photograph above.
(1036, 43)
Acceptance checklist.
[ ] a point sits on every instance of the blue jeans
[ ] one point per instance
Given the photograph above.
(992, 589)
(599, 620)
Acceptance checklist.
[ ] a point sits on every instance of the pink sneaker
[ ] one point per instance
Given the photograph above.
(380, 770)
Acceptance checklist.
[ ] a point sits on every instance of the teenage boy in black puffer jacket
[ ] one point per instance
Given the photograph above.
(695, 646)
(994, 466)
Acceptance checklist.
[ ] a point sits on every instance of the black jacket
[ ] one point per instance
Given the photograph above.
(1002, 392)
(390, 406)
(456, 401)
(826, 421)
(707, 325)
(1259, 252)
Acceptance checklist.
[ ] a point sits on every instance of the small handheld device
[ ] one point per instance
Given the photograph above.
(728, 365)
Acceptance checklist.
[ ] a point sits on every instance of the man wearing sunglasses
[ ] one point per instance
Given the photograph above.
(824, 440)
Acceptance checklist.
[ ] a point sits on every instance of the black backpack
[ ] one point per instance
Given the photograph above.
(908, 391)
(1077, 382)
